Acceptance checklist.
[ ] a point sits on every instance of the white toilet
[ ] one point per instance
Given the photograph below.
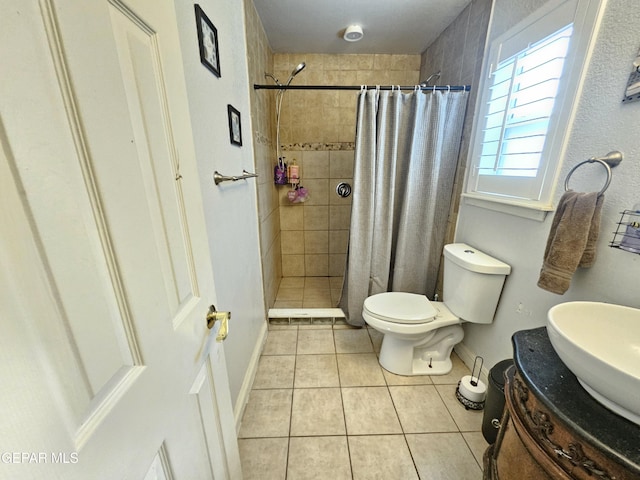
(419, 334)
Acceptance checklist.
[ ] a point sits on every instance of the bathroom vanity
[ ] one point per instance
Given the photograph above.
(552, 428)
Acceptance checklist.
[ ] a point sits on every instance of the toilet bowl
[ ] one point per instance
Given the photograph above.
(419, 335)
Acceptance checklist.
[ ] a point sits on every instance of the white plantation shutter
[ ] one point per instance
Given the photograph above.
(526, 102)
(523, 93)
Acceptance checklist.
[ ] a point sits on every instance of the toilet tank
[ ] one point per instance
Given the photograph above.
(472, 282)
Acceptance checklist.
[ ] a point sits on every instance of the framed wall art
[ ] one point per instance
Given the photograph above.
(235, 126)
(208, 42)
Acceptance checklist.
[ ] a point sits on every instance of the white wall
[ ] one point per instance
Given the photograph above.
(602, 124)
(231, 208)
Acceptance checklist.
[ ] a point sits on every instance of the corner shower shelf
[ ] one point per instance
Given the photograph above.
(621, 237)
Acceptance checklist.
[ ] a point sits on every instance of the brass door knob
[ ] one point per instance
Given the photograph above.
(213, 316)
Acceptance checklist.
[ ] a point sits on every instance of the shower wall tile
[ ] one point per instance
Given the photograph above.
(316, 218)
(347, 133)
(341, 163)
(382, 61)
(405, 62)
(370, 77)
(318, 191)
(272, 270)
(338, 241)
(282, 195)
(330, 98)
(340, 217)
(315, 164)
(331, 115)
(291, 218)
(260, 59)
(292, 242)
(316, 241)
(293, 266)
(403, 78)
(316, 265)
(337, 263)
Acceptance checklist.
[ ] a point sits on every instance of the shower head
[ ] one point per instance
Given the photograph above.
(296, 71)
(277, 82)
(426, 82)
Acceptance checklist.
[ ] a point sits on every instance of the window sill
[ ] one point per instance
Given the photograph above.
(525, 209)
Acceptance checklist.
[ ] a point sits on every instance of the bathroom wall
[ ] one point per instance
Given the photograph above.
(602, 123)
(260, 60)
(230, 209)
(318, 131)
(457, 53)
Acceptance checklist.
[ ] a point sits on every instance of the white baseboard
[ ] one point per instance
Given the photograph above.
(468, 357)
(250, 375)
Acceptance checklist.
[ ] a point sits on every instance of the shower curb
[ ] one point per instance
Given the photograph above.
(306, 316)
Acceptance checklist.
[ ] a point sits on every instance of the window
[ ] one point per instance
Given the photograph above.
(526, 103)
(523, 93)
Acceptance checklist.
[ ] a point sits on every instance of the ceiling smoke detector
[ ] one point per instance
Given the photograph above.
(353, 33)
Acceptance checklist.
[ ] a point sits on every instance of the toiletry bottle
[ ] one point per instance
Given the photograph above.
(280, 172)
(294, 172)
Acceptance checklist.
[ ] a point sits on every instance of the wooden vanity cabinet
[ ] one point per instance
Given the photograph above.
(538, 440)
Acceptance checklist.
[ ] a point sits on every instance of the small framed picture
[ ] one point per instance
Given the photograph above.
(235, 126)
(208, 42)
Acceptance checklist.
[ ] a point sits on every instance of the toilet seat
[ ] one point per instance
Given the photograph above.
(400, 307)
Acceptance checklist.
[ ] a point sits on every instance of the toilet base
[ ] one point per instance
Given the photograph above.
(427, 356)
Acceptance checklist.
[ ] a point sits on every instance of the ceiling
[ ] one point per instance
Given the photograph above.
(390, 26)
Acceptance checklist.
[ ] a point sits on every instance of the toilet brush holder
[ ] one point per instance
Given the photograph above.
(471, 391)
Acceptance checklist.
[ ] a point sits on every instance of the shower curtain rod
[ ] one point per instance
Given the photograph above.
(430, 88)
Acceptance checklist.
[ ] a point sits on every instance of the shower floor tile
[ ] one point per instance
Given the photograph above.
(308, 292)
(348, 418)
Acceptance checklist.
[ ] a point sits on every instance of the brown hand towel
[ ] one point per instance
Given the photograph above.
(572, 239)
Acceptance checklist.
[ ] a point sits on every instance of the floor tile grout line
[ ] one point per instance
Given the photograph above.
(404, 433)
(295, 361)
(344, 413)
(471, 450)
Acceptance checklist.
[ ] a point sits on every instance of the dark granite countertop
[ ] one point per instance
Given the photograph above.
(558, 389)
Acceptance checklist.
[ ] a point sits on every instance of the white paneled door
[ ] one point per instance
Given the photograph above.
(108, 368)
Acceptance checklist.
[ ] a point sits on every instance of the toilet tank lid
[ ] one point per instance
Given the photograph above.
(474, 260)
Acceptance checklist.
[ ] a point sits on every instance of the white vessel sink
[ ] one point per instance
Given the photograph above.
(600, 344)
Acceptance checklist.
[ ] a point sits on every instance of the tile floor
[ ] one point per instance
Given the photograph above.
(322, 408)
(308, 292)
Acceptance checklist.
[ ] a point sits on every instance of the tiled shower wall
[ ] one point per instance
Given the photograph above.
(457, 53)
(318, 131)
(260, 60)
(314, 234)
